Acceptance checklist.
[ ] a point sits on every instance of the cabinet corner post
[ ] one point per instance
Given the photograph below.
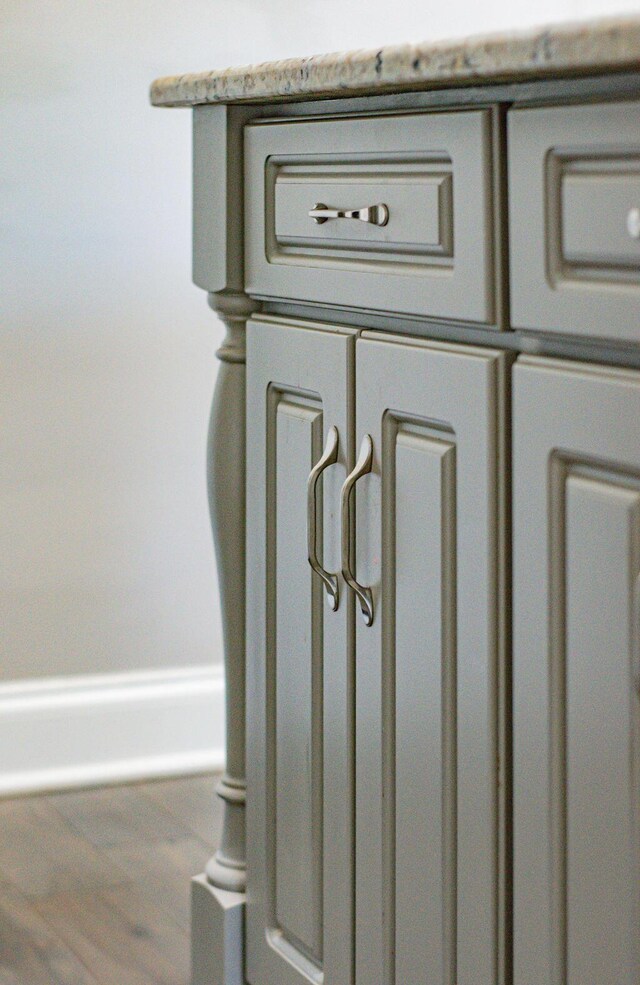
(226, 488)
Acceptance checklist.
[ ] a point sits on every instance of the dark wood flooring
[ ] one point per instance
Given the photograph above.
(94, 884)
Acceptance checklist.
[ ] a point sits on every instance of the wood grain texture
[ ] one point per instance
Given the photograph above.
(116, 816)
(121, 936)
(94, 885)
(30, 951)
(163, 871)
(42, 855)
(193, 800)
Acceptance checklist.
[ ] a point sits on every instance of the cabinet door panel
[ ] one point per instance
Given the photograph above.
(299, 687)
(427, 669)
(425, 815)
(577, 559)
(298, 683)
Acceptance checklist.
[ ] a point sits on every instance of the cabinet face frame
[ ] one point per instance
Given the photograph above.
(299, 737)
(576, 702)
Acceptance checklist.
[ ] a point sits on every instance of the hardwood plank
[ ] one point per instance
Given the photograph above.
(121, 936)
(194, 801)
(117, 815)
(30, 951)
(163, 870)
(42, 855)
(95, 885)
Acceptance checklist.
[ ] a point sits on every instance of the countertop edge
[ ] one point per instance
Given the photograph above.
(586, 47)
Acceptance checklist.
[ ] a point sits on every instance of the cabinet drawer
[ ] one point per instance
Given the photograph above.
(423, 247)
(575, 219)
(600, 220)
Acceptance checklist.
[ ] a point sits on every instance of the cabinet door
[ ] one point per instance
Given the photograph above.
(299, 664)
(576, 638)
(427, 669)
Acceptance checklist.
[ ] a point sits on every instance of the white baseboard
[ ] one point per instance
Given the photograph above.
(60, 733)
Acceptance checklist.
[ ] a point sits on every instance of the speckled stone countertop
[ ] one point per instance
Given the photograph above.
(561, 50)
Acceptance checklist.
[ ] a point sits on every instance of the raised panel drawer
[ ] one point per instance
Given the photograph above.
(425, 246)
(575, 219)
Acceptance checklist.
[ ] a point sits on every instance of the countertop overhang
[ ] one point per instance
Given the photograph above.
(562, 50)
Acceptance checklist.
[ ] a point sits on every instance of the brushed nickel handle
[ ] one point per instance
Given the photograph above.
(328, 457)
(363, 466)
(633, 223)
(377, 215)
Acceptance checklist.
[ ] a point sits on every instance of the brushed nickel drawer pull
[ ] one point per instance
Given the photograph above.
(377, 215)
(363, 467)
(329, 457)
(633, 223)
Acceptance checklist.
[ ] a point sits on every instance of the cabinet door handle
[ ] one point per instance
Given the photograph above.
(377, 215)
(328, 457)
(363, 466)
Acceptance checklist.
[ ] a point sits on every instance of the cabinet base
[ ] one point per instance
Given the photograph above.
(217, 934)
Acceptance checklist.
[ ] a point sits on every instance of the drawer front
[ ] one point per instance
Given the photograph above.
(575, 219)
(418, 187)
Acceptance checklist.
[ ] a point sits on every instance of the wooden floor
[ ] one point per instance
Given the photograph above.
(94, 884)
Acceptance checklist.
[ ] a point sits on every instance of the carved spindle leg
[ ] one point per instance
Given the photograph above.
(226, 481)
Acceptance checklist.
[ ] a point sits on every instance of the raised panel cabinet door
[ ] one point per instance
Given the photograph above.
(427, 544)
(299, 660)
(576, 665)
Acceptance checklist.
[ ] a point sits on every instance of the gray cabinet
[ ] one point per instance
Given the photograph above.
(576, 666)
(441, 760)
(412, 698)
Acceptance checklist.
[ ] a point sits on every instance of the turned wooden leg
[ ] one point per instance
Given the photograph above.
(226, 483)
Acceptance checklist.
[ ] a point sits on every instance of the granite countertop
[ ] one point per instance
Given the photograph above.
(605, 45)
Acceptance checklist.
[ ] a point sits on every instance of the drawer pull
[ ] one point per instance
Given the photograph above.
(363, 466)
(633, 223)
(329, 457)
(377, 215)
